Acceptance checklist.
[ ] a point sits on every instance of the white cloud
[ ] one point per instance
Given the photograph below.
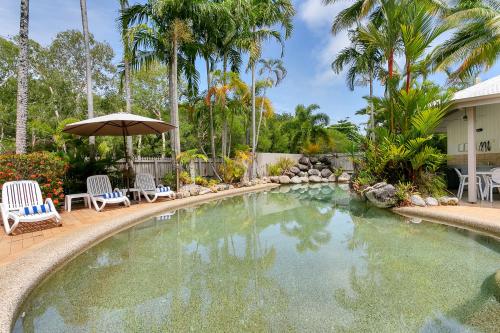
(316, 15)
(318, 19)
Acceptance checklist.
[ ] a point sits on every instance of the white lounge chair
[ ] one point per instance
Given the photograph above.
(100, 190)
(22, 202)
(146, 185)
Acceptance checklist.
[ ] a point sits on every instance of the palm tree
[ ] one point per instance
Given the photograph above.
(261, 16)
(364, 61)
(476, 43)
(419, 28)
(308, 127)
(126, 72)
(384, 34)
(276, 72)
(22, 80)
(88, 70)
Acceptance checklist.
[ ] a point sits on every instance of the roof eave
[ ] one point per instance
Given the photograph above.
(475, 101)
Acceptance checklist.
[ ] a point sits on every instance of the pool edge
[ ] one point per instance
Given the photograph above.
(21, 276)
(458, 220)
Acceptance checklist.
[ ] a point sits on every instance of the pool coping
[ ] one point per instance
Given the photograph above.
(454, 217)
(21, 276)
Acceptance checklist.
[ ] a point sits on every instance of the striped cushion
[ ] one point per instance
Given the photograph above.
(34, 209)
(163, 189)
(111, 195)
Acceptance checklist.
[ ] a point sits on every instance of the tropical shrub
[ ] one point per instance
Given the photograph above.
(46, 168)
(233, 170)
(285, 163)
(184, 177)
(311, 148)
(199, 180)
(170, 180)
(274, 170)
(411, 153)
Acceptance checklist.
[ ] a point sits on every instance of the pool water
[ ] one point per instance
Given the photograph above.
(294, 259)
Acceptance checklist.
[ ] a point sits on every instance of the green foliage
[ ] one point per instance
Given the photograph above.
(274, 170)
(184, 178)
(285, 163)
(201, 181)
(412, 155)
(403, 192)
(46, 168)
(170, 180)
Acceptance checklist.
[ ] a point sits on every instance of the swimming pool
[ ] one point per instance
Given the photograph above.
(301, 258)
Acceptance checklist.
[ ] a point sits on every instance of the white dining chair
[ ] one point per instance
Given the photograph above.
(493, 182)
(464, 181)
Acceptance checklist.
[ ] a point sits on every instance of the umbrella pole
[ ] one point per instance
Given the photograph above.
(126, 164)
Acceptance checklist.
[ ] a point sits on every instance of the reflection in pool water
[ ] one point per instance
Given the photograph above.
(302, 258)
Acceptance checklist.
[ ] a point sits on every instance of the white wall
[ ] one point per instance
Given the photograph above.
(487, 119)
(264, 159)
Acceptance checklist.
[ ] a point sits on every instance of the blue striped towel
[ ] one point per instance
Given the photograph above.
(163, 189)
(111, 195)
(38, 209)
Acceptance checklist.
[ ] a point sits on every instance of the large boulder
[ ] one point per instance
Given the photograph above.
(332, 178)
(304, 160)
(289, 174)
(325, 173)
(324, 180)
(313, 159)
(323, 159)
(448, 201)
(315, 179)
(296, 180)
(303, 167)
(294, 170)
(302, 174)
(344, 178)
(274, 179)
(304, 179)
(416, 200)
(430, 201)
(382, 195)
(313, 172)
(320, 166)
(284, 179)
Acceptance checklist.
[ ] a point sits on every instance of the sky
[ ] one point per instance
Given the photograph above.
(308, 53)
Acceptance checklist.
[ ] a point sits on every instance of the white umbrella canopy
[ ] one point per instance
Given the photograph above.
(118, 124)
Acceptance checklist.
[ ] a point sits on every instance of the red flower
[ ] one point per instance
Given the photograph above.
(56, 201)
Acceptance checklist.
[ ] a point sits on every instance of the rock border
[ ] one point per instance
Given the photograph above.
(23, 275)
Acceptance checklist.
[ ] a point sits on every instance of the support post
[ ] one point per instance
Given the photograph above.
(471, 154)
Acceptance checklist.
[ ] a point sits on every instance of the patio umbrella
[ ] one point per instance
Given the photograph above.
(119, 124)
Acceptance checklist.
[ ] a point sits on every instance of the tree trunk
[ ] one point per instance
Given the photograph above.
(88, 71)
(22, 80)
(224, 120)
(210, 110)
(372, 111)
(260, 117)
(252, 165)
(389, 85)
(174, 108)
(128, 91)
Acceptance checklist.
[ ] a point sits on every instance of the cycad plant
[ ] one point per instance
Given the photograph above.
(188, 157)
